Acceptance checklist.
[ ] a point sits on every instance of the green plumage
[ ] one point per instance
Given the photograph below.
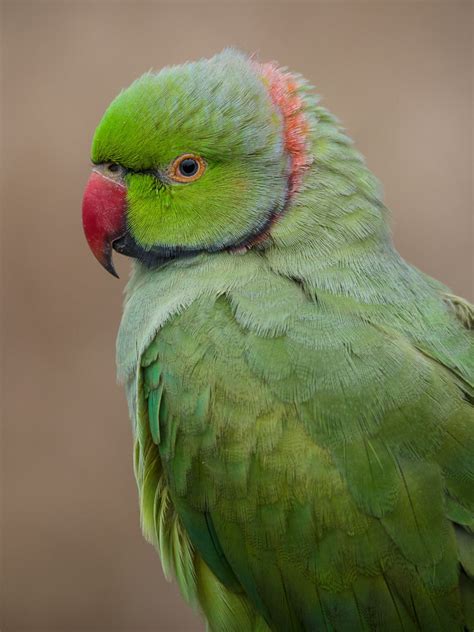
(304, 434)
(328, 506)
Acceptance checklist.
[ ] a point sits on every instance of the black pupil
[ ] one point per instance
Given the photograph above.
(188, 167)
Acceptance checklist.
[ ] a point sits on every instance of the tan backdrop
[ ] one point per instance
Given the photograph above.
(400, 77)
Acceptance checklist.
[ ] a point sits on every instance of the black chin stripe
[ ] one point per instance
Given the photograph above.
(158, 255)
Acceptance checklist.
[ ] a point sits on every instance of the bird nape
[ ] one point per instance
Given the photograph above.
(301, 397)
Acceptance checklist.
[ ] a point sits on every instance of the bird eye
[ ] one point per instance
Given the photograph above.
(187, 168)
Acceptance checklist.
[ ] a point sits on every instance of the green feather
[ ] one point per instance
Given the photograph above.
(302, 409)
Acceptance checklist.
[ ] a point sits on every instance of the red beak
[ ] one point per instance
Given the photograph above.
(103, 216)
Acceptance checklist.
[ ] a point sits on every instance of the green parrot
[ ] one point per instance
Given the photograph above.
(301, 397)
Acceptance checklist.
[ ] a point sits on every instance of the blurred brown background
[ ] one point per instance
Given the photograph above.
(398, 74)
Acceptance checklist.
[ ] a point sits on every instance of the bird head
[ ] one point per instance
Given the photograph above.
(196, 158)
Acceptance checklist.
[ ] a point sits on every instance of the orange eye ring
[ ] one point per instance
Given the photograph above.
(187, 168)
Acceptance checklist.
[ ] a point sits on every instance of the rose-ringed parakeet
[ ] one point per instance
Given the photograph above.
(301, 397)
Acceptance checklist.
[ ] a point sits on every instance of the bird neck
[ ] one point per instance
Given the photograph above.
(285, 91)
(335, 212)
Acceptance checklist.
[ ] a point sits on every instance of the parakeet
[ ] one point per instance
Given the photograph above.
(301, 397)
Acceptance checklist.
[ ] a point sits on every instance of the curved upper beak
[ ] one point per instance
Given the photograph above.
(103, 216)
